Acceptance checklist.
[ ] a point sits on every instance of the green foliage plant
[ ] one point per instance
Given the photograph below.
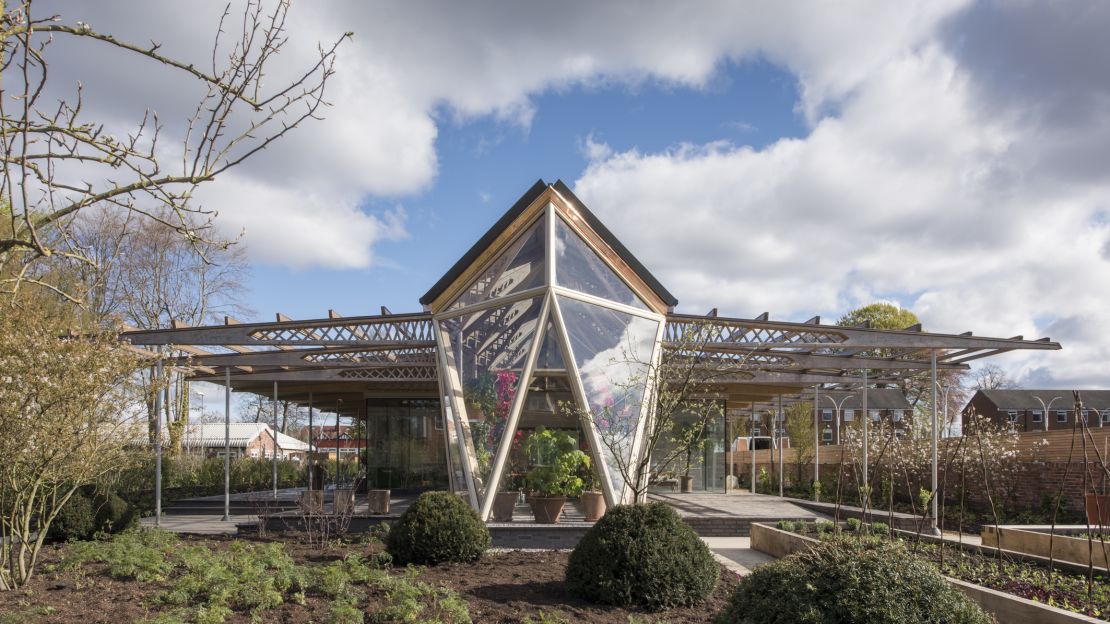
(853, 524)
(76, 520)
(139, 554)
(644, 556)
(559, 464)
(845, 580)
(438, 527)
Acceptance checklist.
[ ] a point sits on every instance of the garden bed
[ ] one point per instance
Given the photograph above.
(1069, 543)
(511, 586)
(1037, 594)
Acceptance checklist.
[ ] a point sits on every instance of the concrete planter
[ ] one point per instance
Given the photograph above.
(503, 505)
(686, 484)
(1034, 540)
(547, 510)
(377, 502)
(344, 501)
(593, 506)
(1007, 608)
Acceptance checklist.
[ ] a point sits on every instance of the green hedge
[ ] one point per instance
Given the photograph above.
(853, 581)
(642, 555)
(438, 527)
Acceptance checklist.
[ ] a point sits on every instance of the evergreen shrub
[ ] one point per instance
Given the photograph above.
(642, 555)
(438, 527)
(850, 580)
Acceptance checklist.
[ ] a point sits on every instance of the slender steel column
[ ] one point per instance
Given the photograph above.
(816, 434)
(273, 454)
(338, 405)
(311, 453)
(866, 422)
(157, 441)
(227, 444)
(779, 429)
(751, 444)
(936, 444)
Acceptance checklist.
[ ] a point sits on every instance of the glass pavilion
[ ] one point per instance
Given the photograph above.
(547, 321)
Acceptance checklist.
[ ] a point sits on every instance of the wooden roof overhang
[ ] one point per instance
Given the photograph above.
(349, 358)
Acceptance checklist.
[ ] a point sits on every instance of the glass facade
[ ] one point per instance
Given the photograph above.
(406, 444)
(488, 349)
(585, 375)
(516, 269)
(612, 351)
(578, 267)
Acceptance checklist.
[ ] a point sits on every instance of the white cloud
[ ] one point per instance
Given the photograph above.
(917, 190)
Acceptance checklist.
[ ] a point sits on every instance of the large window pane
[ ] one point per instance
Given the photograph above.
(406, 444)
(488, 350)
(519, 267)
(612, 350)
(577, 267)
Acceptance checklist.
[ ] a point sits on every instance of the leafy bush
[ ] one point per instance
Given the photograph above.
(113, 514)
(845, 580)
(76, 520)
(138, 554)
(642, 555)
(438, 527)
(786, 525)
(853, 524)
(410, 600)
(560, 464)
(824, 526)
(880, 528)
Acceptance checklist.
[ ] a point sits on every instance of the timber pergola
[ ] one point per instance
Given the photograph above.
(548, 290)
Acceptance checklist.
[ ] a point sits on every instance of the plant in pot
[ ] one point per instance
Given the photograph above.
(504, 502)
(555, 475)
(593, 501)
(691, 439)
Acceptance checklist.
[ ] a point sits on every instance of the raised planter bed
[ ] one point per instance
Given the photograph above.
(1035, 540)
(1007, 608)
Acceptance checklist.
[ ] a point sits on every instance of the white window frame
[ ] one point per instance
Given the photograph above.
(1106, 415)
(1037, 416)
(1012, 416)
(849, 415)
(826, 415)
(827, 435)
(875, 415)
(1062, 416)
(897, 415)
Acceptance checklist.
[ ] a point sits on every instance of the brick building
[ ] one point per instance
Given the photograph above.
(1025, 410)
(254, 440)
(838, 410)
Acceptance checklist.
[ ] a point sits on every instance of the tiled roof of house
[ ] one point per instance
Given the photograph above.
(211, 435)
(1026, 399)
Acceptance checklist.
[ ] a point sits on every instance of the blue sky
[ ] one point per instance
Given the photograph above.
(485, 164)
(796, 158)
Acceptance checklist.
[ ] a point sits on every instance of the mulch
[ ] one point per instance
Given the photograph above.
(502, 587)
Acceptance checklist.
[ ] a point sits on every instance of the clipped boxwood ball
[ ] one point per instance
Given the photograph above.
(113, 514)
(642, 555)
(852, 581)
(76, 520)
(438, 527)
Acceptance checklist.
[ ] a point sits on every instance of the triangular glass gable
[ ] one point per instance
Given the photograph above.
(519, 267)
(612, 351)
(579, 268)
(551, 355)
(488, 350)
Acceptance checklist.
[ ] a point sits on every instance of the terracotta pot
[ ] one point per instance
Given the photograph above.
(686, 484)
(547, 510)
(503, 505)
(593, 506)
(1098, 504)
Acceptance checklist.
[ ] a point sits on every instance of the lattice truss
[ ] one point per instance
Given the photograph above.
(401, 347)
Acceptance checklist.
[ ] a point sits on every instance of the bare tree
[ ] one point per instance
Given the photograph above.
(991, 377)
(58, 164)
(260, 409)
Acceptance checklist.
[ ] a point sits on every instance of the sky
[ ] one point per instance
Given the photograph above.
(796, 158)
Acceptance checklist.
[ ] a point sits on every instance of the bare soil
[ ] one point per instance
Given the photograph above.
(504, 587)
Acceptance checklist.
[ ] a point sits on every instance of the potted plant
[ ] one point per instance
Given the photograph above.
(593, 501)
(555, 476)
